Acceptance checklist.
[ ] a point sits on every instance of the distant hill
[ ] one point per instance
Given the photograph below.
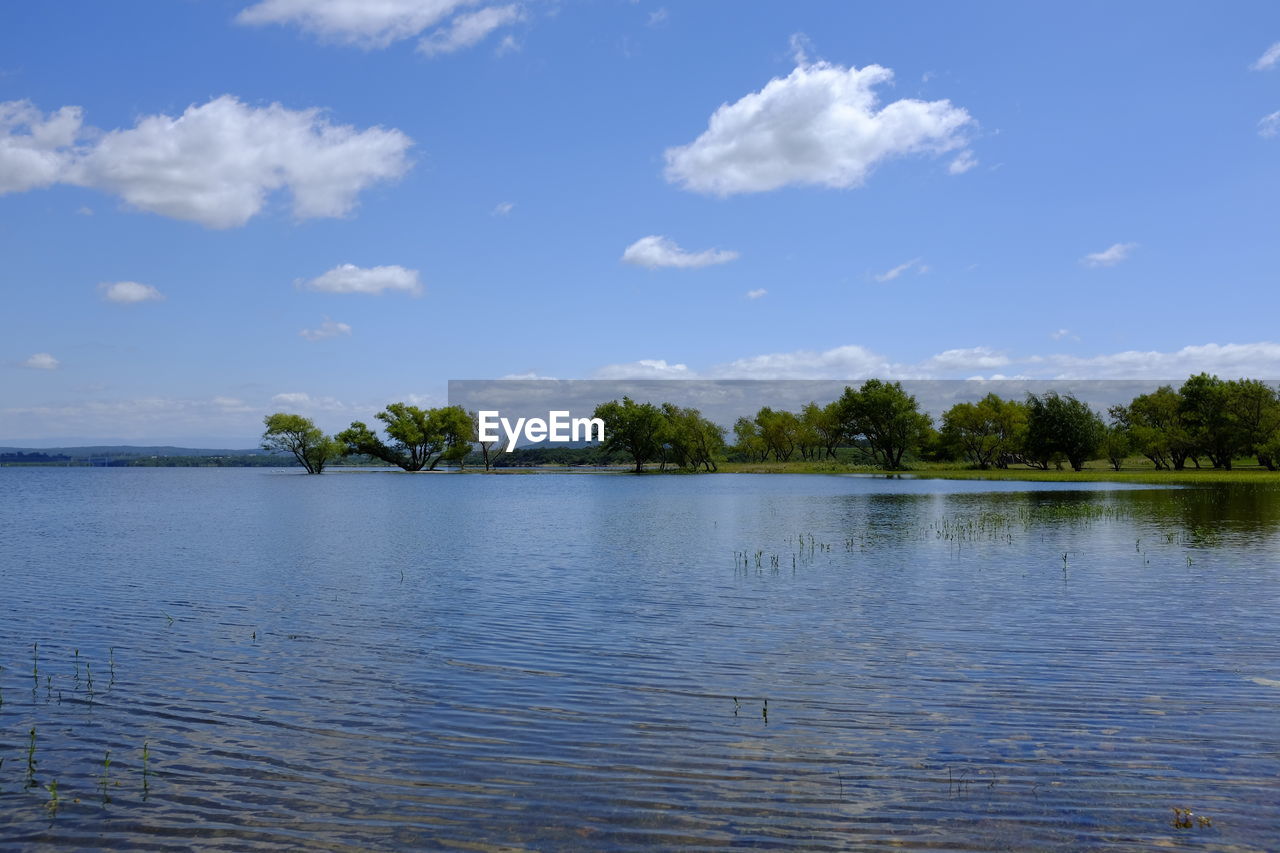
(130, 450)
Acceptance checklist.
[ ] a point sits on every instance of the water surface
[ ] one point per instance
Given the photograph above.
(389, 661)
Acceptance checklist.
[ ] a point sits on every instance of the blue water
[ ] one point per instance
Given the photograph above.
(524, 661)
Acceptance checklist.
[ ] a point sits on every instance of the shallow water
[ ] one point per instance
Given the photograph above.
(388, 661)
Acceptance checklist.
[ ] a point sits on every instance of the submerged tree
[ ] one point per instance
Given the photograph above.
(287, 433)
(419, 438)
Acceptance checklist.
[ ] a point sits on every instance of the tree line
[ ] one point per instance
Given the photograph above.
(1207, 420)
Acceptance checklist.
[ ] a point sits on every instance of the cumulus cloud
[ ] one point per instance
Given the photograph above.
(1109, 257)
(645, 368)
(757, 293)
(371, 24)
(1269, 58)
(216, 164)
(41, 361)
(1269, 125)
(349, 278)
(35, 149)
(129, 292)
(469, 29)
(821, 125)
(890, 275)
(655, 251)
(327, 329)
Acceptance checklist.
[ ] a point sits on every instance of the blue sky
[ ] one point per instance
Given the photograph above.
(214, 209)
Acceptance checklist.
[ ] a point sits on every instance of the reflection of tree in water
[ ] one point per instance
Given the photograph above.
(1209, 515)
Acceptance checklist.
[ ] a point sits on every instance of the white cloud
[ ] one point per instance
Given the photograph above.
(35, 149)
(1109, 257)
(1269, 125)
(129, 292)
(851, 362)
(964, 162)
(1063, 333)
(846, 362)
(645, 368)
(304, 401)
(41, 361)
(85, 210)
(1269, 58)
(890, 275)
(658, 16)
(469, 29)
(655, 251)
(503, 208)
(821, 125)
(349, 278)
(757, 293)
(327, 329)
(216, 164)
(1257, 361)
(953, 361)
(366, 23)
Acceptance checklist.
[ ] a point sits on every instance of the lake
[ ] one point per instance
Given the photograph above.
(257, 659)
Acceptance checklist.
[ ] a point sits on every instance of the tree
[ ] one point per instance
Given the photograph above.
(1062, 427)
(632, 428)
(419, 438)
(887, 418)
(1255, 410)
(487, 448)
(824, 423)
(989, 432)
(690, 440)
(780, 432)
(747, 440)
(1156, 427)
(1206, 411)
(295, 434)
(1115, 444)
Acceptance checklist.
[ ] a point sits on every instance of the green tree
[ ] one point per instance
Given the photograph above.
(690, 440)
(989, 432)
(295, 434)
(419, 438)
(1255, 411)
(1206, 411)
(635, 429)
(1156, 427)
(886, 417)
(823, 422)
(747, 441)
(780, 432)
(1062, 427)
(1115, 444)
